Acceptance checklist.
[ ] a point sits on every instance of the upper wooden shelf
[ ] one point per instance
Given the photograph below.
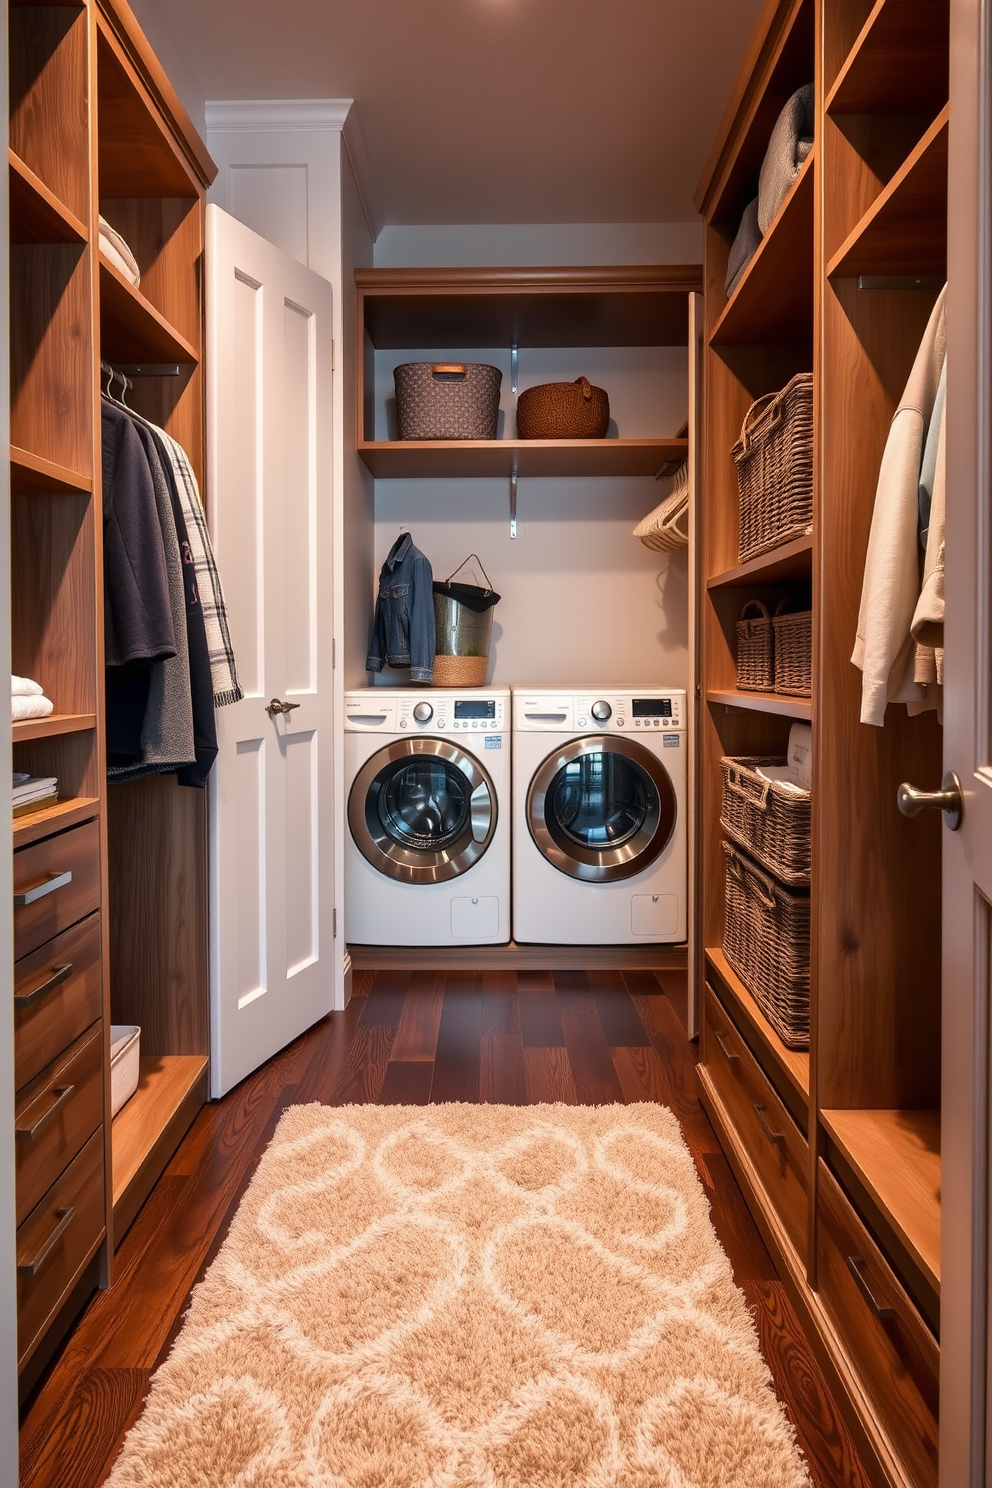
(792, 562)
(54, 819)
(899, 63)
(467, 459)
(36, 214)
(55, 724)
(762, 702)
(31, 475)
(138, 155)
(792, 1063)
(773, 302)
(131, 329)
(624, 306)
(896, 1155)
(904, 231)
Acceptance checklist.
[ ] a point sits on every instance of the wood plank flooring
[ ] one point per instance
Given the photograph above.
(411, 1038)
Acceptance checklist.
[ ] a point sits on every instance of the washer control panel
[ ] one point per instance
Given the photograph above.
(388, 711)
(604, 711)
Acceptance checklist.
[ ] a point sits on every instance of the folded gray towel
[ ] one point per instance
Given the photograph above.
(745, 246)
(791, 142)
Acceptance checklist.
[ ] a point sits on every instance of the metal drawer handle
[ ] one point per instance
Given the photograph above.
(773, 1136)
(277, 706)
(728, 1056)
(59, 975)
(52, 882)
(28, 1133)
(883, 1313)
(32, 1267)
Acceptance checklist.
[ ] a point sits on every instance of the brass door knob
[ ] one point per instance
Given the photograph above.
(276, 706)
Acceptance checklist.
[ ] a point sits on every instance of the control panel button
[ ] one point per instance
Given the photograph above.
(620, 723)
(423, 712)
(601, 711)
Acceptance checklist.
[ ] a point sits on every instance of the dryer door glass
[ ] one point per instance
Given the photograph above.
(601, 809)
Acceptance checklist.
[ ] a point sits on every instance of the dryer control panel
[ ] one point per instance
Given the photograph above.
(602, 710)
(426, 711)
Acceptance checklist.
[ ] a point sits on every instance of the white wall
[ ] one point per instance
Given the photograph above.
(522, 244)
(151, 16)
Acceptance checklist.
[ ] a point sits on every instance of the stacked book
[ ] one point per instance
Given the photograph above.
(34, 792)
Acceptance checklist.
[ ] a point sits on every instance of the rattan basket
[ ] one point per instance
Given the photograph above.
(767, 818)
(774, 459)
(755, 649)
(447, 400)
(794, 653)
(766, 941)
(563, 410)
(460, 671)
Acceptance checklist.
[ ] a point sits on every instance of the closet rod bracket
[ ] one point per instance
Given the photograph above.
(513, 368)
(513, 502)
(149, 369)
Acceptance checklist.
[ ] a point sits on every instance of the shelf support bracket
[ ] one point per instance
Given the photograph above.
(513, 502)
(513, 368)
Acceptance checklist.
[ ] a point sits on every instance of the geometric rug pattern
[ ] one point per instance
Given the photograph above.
(467, 1296)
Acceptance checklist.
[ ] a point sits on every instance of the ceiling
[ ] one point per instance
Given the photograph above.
(486, 111)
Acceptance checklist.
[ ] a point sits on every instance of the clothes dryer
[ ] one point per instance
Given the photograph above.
(599, 815)
(427, 850)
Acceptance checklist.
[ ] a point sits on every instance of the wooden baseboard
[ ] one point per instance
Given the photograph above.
(514, 957)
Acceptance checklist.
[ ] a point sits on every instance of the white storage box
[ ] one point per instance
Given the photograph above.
(125, 1041)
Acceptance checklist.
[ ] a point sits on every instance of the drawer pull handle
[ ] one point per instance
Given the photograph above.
(40, 891)
(730, 1057)
(28, 1133)
(59, 975)
(773, 1136)
(32, 1267)
(883, 1313)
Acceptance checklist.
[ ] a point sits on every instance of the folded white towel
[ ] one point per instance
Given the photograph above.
(34, 788)
(779, 775)
(30, 707)
(800, 755)
(113, 246)
(24, 687)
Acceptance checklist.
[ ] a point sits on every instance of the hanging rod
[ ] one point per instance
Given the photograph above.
(142, 369)
(901, 281)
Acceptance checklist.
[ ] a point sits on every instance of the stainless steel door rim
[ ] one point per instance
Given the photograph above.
(374, 826)
(647, 838)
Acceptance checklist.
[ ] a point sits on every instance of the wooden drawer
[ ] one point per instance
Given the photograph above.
(59, 878)
(58, 994)
(55, 1116)
(55, 1242)
(771, 1138)
(893, 1352)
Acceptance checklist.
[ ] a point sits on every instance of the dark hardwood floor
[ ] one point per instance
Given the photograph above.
(410, 1038)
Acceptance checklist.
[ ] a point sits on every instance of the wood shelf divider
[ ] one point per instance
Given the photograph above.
(131, 329)
(467, 459)
(33, 475)
(899, 62)
(762, 702)
(36, 214)
(791, 563)
(52, 726)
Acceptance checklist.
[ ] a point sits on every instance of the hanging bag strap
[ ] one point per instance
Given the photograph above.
(489, 587)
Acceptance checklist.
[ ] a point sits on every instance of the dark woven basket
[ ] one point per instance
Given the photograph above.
(755, 649)
(447, 400)
(774, 459)
(794, 653)
(766, 941)
(563, 410)
(766, 818)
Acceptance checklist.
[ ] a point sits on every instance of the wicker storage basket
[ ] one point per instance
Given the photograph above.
(460, 671)
(667, 527)
(766, 941)
(447, 400)
(794, 653)
(563, 410)
(774, 459)
(755, 649)
(767, 818)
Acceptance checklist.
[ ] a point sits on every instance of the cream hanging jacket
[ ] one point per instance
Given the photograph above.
(885, 649)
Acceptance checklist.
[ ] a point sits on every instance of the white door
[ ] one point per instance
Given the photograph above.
(269, 502)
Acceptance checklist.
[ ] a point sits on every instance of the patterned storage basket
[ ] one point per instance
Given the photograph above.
(766, 941)
(794, 653)
(755, 649)
(767, 818)
(563, 410)
(774, 459)
(447, 400)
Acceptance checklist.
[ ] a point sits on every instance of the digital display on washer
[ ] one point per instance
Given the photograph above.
(474, 708)
(651, 707)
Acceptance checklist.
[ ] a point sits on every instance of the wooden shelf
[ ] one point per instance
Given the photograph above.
(36, 214)
(48, 728)
(31, 475)
(899, 63)
(773, 302)
(763, 702)
(148, 1129)
(791, 563)
(54, 819)
(896, 1156)
(131, 329)
(904, 231)
(468, 459)
(793, 1064)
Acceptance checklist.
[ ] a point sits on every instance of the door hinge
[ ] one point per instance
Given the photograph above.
(334, 353)
(334, 652)
(334, 923)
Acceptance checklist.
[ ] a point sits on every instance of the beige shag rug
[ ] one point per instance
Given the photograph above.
(463, 1296)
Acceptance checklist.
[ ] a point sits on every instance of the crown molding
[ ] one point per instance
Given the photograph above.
(230, 115)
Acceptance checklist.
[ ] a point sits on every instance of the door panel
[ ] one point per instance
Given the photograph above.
(272, 838)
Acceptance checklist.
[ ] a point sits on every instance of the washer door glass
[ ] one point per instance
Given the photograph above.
(422, 810)
(601, 809)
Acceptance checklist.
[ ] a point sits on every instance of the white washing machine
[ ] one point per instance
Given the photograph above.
(599, 815)
(427, 851)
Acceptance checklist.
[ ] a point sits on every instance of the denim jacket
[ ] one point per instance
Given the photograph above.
(403, 628)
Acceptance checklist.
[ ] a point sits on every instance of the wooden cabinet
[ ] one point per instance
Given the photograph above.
(841, 286)
(109, 885)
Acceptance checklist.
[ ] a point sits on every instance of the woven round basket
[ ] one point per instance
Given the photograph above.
(447, 400)
(563, 410)
(460, 671)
